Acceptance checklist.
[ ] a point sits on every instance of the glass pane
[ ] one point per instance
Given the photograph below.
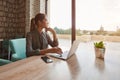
(98, 20)
(60, 20)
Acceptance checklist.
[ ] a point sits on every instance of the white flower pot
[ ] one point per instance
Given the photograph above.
(99, 52)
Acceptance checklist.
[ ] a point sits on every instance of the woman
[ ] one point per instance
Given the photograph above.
(37, 40)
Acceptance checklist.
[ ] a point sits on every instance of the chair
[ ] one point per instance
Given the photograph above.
(5, 48)
(18, 49)
(4, 61)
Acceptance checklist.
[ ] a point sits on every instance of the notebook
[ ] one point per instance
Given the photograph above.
(68, 53)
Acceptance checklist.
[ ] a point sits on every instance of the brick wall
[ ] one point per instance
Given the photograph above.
(21, 16)
(42, 6)
(34, 7)
(27, 29)
(12, 18)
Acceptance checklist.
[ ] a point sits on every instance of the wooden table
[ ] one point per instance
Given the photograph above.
(81, 66)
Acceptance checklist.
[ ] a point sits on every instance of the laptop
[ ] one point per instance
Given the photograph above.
(67, 54)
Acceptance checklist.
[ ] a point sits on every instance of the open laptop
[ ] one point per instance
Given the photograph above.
(66, 54)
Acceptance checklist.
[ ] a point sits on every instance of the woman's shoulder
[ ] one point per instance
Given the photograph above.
(29, 33)
(32, 32)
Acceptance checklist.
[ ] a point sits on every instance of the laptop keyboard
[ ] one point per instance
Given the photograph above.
(65, 53)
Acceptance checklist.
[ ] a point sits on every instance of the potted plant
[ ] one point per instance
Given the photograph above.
(99, 49)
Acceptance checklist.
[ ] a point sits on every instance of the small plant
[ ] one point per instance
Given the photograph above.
(99, 44)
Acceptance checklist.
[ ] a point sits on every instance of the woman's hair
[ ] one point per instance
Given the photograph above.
(32, 26)
(39, 16)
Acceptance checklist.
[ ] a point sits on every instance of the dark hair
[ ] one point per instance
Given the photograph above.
(32, 26)
(39, 16)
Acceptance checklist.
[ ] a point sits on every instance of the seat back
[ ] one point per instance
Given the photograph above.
(4, 61)
(18, 47)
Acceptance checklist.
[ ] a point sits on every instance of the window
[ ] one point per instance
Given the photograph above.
(98, 20)
(60, 20)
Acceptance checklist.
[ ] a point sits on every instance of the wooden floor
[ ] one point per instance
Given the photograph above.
(81, 66)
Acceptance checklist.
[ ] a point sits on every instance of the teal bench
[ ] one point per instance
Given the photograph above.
(18, 49)
(4, 61)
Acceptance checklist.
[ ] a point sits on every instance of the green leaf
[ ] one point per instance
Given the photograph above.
(99, 44)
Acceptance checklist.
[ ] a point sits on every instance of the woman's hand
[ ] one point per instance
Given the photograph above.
(51, 50)
(51, 30)
(56, 50)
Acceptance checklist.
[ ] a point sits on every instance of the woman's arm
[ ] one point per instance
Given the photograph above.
(53, 43)
(29, 49)
(51, 50)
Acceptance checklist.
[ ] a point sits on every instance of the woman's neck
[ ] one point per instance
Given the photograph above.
(40, 29)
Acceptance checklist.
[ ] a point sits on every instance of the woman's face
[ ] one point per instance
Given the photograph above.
(44, 23)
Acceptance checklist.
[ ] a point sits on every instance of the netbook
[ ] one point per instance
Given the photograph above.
(67, 54)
